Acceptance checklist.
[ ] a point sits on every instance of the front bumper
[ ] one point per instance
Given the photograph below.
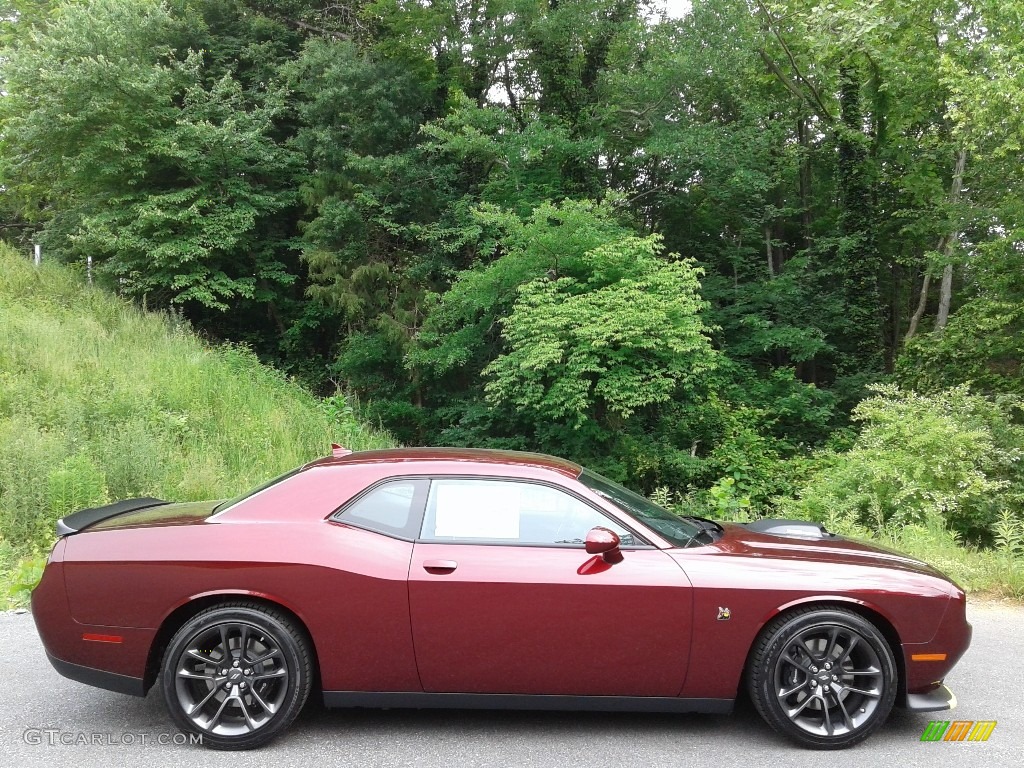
(927, 664)
(934, 701)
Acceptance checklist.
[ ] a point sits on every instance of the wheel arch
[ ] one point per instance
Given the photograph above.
(865, 611)
(180, 615)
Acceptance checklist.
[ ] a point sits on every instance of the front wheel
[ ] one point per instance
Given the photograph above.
(236, 675)
(825, 678)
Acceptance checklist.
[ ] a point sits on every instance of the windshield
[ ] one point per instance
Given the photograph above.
(674, 528)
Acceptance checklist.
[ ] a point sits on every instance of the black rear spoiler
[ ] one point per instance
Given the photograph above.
(83, 518)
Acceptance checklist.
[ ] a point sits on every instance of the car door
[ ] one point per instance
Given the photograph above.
(361, 602)
(505, 599)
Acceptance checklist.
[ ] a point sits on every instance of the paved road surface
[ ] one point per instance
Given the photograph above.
(988, 683)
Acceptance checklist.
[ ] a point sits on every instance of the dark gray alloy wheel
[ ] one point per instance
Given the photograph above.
(237, 674)
(824, 677)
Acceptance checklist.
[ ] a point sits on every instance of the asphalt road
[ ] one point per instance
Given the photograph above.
(38, 707)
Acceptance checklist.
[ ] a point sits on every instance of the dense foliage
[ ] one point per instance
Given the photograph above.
(679, 250)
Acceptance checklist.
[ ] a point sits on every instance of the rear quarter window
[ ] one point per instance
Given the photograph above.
(392, 508)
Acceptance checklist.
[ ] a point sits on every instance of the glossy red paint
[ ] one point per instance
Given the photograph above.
(520, 619)
(391, 615)
(757, 576)
(602, 541)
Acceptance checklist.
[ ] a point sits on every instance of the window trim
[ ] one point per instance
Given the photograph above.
(420, 494)
(505, 542)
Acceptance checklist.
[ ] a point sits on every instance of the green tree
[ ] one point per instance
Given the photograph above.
(116, 142)
(628, 337)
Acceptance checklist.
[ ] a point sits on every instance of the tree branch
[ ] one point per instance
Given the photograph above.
(793, 88)
(313, 28)
(922, 300)
(814, 99)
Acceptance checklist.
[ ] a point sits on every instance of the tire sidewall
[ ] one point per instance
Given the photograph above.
(775, 642)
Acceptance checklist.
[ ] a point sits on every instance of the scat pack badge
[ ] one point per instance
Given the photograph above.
(724, 614)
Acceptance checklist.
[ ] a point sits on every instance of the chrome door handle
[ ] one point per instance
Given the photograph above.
(439, 566)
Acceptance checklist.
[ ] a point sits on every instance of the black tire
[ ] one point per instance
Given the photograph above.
(823, 677)
(237, 675)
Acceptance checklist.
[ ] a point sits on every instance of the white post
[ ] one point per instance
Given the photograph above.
(39, 255)
(88, 268)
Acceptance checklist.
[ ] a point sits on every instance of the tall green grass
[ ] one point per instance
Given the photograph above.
(101, 401)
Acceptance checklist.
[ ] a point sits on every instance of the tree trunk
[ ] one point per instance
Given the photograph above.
(946, 291)
(921, 303)
(945, 247)
(857, 264)
(805, 181)
(945, 296)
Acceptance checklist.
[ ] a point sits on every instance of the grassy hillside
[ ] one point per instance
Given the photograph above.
(100, 401)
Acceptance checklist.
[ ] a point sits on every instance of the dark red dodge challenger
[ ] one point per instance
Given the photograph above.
(469, 578)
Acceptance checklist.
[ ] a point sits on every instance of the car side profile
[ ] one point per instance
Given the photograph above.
(443, 577)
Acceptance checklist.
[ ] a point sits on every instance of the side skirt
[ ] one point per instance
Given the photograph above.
(402, 700)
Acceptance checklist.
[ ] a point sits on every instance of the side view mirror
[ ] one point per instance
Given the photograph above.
(605, 542)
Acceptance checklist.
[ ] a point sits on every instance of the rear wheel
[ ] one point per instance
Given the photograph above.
(236, 674)
(825, 678)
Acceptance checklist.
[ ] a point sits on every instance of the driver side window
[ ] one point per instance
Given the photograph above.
(502, 511)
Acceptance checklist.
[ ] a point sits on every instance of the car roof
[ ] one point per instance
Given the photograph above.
(452, 455)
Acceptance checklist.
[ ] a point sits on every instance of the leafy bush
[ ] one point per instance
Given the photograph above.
(77, 483)
(727, 503)
(25, 577)
(953, 456)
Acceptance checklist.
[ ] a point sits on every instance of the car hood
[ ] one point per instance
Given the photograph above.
(738, 540)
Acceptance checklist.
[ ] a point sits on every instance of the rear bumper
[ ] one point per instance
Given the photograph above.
(98, 678)
(114, 658)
